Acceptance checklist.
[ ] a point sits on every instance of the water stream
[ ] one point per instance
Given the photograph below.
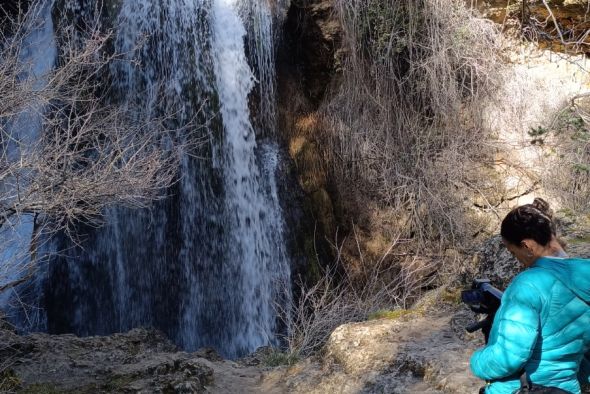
(208, 264)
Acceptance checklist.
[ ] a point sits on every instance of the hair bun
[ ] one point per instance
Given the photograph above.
(543, 206)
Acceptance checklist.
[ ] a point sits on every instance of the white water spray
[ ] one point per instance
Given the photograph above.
(255, 235)
(208, 265)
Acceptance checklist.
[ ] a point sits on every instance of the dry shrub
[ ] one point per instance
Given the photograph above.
(339, 298)
(411, 131)
(406, 126)
(554, 26)
(68, 151)
(567, 160)
(406, 131)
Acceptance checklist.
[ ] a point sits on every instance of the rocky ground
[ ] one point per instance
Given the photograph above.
(424, 350)
(417, 353)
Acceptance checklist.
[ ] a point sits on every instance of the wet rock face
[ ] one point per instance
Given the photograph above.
(306, 68)
(81, 12)
(311, 38)
(139, 361)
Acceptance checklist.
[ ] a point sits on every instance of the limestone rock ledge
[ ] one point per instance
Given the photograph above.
(418, 353)
(140, 361)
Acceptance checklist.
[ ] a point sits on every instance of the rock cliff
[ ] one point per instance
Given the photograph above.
(560, 25)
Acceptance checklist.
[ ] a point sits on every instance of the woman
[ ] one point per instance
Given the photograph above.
(542, 330)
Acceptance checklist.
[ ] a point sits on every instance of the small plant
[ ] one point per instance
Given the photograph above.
(451, 295)
(582, 167)
(581, 135)
(277, 358)
(538, 131)
(8, 381)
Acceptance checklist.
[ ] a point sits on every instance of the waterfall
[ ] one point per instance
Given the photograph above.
(259, 20)
(255, 222)
(208, 264)
(38, 54)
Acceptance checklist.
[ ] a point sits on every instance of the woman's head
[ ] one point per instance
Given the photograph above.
(528, 231)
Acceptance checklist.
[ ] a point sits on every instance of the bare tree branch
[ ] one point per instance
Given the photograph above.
(68, 151)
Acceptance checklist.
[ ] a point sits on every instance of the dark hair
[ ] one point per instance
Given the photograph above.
(530, 221)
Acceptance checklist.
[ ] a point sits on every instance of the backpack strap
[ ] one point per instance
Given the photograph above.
(525, 385)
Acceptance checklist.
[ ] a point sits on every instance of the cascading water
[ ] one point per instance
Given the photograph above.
(253, 221)
(38, 54)
(259, 20)
(208, 264)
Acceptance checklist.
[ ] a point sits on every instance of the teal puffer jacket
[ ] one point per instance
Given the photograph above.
(542, 327)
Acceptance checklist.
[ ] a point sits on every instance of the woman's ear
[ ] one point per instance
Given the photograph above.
(528, 245)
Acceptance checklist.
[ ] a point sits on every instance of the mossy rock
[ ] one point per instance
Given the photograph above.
(309, 166)
(313, 272)
(41, 388)
(391, 314)
(451, 296)
(324, 211)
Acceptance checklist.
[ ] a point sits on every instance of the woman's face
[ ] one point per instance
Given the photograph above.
(524, 253)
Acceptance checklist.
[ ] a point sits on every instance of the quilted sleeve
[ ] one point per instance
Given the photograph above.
(514, 334)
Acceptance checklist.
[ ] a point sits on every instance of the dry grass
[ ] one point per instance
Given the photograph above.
(342, 297)
(566, 141)
(418, 162)
(405, 120)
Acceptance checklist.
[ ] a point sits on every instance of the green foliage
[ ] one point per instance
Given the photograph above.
(538, 131)
(276, 358)
(582, 135)
(570, 121)
(383, 29)
(538, 135)
(582, 167)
